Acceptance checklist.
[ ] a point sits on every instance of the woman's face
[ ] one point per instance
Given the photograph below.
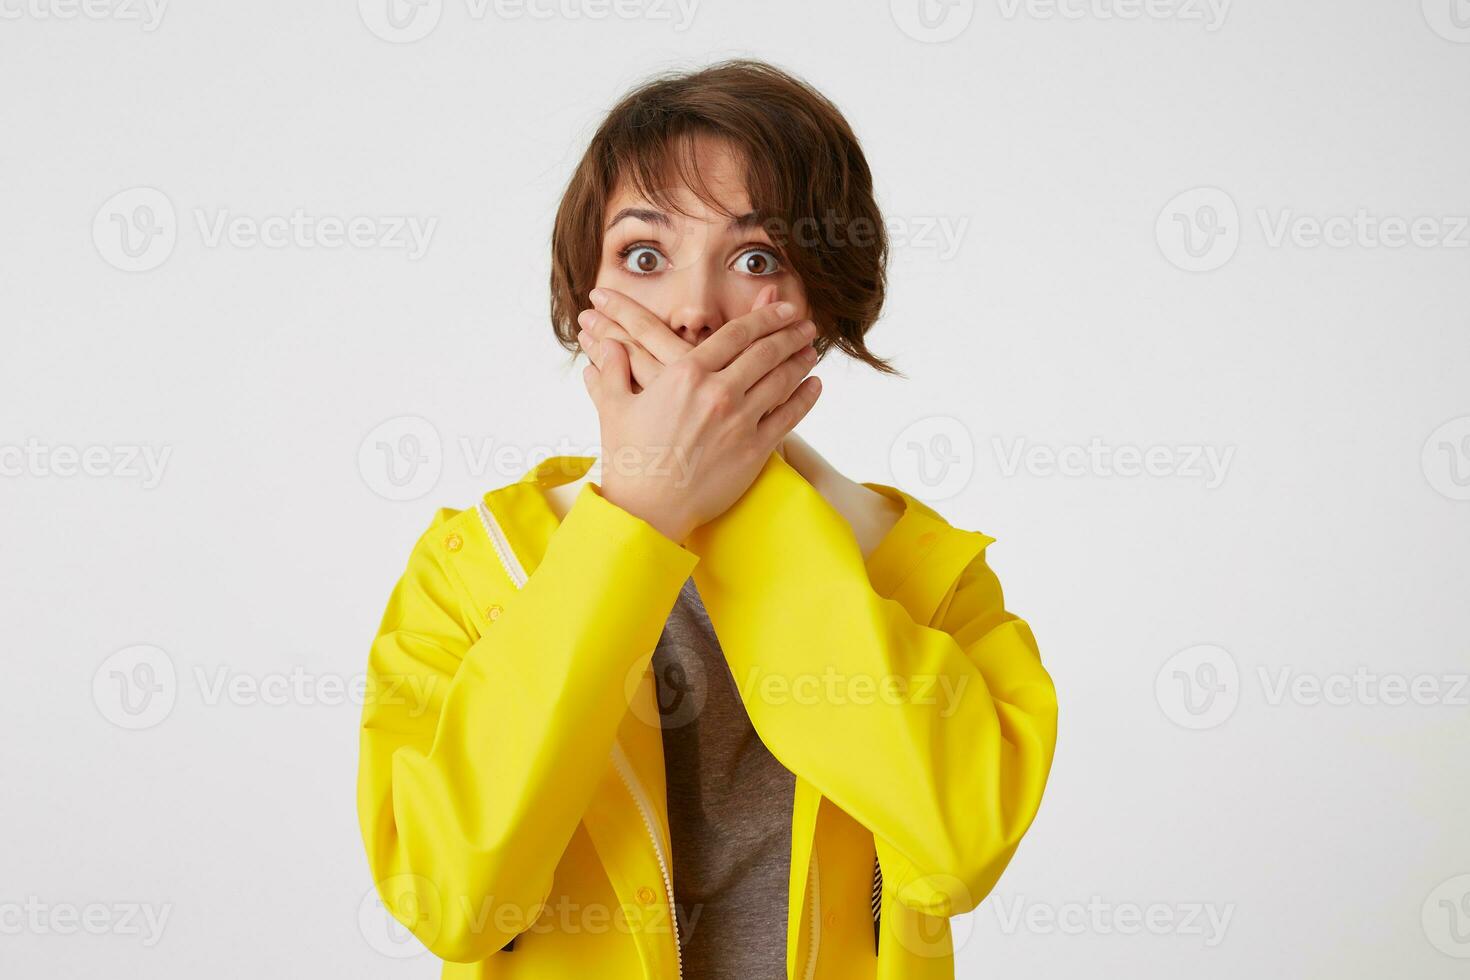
(700, 270)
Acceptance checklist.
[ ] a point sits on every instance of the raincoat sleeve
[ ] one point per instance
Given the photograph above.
(937, 738)
(479, 754)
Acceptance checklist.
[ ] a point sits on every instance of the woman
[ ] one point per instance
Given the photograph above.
(705, 707)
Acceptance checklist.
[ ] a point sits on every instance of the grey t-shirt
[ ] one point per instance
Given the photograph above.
(729, 806)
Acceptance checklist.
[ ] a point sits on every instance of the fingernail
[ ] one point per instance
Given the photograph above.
(599, 296)
(785, 310)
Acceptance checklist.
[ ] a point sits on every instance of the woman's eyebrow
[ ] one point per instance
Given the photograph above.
(642, 214)
(749, 219)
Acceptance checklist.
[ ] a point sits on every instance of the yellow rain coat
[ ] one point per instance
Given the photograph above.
(511, 779)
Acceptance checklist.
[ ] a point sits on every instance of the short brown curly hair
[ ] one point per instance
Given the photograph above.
(807, 179)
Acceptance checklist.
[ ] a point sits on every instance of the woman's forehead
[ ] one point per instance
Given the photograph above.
(707, 182)
(680, 203)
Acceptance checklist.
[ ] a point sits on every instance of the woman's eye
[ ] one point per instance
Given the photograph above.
(642, 260)
(758, 262)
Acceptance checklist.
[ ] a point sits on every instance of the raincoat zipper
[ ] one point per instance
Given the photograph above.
(518, 576)
(635, 790)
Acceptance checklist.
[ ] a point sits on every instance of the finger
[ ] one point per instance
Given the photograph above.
(646, 367)
(778, 384)
(591, 380)
(768, 353)
(655, 335)
(765, 297)
(734, 337)
(784, 417)
(615, 379)
(591, 346)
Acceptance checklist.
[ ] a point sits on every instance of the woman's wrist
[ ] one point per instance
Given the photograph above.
(665, 520)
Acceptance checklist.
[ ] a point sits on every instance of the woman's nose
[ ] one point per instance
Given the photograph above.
(694, 321)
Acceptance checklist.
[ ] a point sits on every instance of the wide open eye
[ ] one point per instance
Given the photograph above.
(643, 260)
(758, 262)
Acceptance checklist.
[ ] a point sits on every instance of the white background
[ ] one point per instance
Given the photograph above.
(1337, 538)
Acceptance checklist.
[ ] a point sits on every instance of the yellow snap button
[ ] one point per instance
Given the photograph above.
(454, 542)
(493, 612)
(927, 538)
(645, 895)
